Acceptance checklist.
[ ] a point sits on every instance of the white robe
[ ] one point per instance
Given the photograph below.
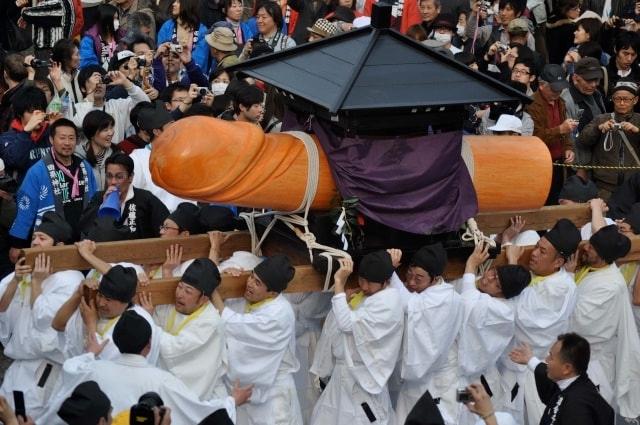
(310, 309)
(262, 347)
(542, 313)
(487, 329)
(630, 275)
(359, 350)
(200, 342)
(124, 380)
(29, 339)
(603, 316)
(429, 349)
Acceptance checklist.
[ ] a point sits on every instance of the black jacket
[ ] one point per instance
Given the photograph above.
(143, 214)
(580, 403)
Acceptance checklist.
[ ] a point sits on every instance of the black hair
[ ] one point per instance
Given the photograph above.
(517, 5)
(273, 10)
(188, 15)
(167, 92)
(576, 351)
(28, 99)
(94, 122)
(335, 3)
(528, 62)
(466, 58)
(138, 38)
(626, 40)
(135, 112)
(120, 158)
(591, 26)
(13, 65)
(564, 6)
(199, 109)
(219, 71)
(45, 82)
(86, 73)
(106, 15)
(226, 4)
(62, 52)
(141, 19)
(247, 96)
(590, 49)
(62, 122)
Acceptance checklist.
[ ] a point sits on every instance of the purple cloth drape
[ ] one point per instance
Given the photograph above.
(415, 184)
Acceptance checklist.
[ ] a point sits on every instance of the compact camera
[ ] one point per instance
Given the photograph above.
(175, 48)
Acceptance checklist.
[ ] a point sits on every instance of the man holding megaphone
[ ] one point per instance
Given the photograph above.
(136, 209)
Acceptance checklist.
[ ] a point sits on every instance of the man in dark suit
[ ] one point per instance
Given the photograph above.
(563, 384)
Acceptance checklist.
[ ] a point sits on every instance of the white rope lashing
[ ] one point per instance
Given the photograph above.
(293, 218)
(473, 233)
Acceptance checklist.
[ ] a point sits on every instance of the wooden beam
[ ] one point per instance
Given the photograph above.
(139, 251)
(541, 219)
(162, 291)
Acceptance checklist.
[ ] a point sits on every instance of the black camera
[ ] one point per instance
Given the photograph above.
(39, 63)
(259, 47)
(106, 79)
(8, 184)
(142, 413)
(463, 396)
(142, 62)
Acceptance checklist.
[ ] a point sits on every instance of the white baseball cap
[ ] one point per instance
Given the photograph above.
(508, 123)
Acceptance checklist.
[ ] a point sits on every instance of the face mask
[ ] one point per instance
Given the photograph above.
(460, 30)
(218, 88)
(444, 38)
(116, 24)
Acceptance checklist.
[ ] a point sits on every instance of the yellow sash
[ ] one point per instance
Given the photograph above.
(536, 279)
(172, 318)
(250, 307)
(356, 300)
(23, 285)
(583, 272)
(107, 326)
(628, 270)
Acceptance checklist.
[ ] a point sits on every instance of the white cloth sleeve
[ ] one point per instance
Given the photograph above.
(342, 312)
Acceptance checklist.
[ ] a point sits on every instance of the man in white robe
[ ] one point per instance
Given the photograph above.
(603, 316)
(260, 336)
(114, 295)
(125, 379)
(488, 324)
(360, 346)
(542, 312)
(30, 298)
(434, 313)
(192, 332)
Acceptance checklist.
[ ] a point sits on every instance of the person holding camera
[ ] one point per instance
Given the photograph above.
(434, 313)
(614, 139)
(93, 82)
(270, 37)
(174, 64)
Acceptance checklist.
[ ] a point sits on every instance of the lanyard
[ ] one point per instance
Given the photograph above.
(356, 300)
(583, 272)
(108, 326)
(172, 318)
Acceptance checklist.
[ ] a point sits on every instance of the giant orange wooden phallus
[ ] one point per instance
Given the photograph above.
(235, 163)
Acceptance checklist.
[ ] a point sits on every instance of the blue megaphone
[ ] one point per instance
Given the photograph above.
(111, 206)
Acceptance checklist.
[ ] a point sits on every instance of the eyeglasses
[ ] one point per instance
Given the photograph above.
(165, 228)
(179, 99)
(623, 99)
(119, 176)
(520, 72)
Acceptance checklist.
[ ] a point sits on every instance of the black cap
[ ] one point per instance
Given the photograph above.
(119, 283)
(589, 68)
(431, 258)
(633, 218)
(577, 190)
(186, 217)
(564, 236)
(219, 417)
(105, 229)
(376, 267)
(513, 279)
(425, 412)
(202, 274)
(275, 272)
(154, 118)
(344, 14)
(86, 405)
(216, 217)
(555, 75)
(56, 227)
(445, 20)
(610, 244)
(132, 333)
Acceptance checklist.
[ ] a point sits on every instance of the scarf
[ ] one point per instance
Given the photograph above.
(35, 134)
(75, 190)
